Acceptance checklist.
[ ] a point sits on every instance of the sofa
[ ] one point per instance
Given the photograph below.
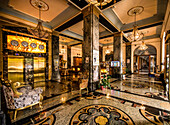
(18, 98)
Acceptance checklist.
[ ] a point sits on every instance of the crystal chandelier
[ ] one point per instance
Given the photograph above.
(39, 30)
(107, 50)
(100, 2)
(143, 46)
(135, 35)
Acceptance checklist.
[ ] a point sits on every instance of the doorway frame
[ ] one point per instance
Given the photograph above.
(149, 61)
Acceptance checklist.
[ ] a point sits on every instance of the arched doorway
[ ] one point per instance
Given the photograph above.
(145, 60)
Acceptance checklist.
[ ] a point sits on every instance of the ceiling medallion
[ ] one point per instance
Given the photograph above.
(100, 2)
(135, 35)
(39, 30)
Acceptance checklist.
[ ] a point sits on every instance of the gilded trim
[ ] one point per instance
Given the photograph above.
(22, 34)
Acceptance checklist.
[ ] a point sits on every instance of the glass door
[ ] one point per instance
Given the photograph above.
(39, 69)
(16, 68)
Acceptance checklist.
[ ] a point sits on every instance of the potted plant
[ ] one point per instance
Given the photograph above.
(105, 82)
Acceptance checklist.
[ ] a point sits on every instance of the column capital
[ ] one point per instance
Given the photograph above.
(128, 44)
(91, 9)
(118, 34)
(55, 33)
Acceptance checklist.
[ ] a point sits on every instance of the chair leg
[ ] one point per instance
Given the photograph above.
(40, 105)
(15, 114)
(80, 92)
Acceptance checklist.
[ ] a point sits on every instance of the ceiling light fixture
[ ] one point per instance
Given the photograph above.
(39, 30)
(143, 46)
(107, 49)
(135, 35)
(100, 2)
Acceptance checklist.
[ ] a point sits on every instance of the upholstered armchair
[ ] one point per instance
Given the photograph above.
(83, 81)
(18, 98)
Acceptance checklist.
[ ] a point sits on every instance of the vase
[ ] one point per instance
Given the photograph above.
(102, 88)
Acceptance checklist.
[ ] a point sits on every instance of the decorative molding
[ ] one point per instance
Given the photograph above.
(91, 9)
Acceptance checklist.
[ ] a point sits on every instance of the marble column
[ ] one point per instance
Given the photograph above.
(1, 53)
(90, 46)
(50, 57)
(100, 53)
(1, 60)
(68, 57)
(169, 71)
(128, 58)
(117, 54)
(55, 58)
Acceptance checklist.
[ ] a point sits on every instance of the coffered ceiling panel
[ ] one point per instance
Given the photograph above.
(152, 31)
(65, 39)
(78, 28)
(106, 40)
(55, 8)
(121, 8)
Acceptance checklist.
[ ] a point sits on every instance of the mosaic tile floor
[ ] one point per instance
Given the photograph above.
(142, 85)
(130, 102)
(107, 110)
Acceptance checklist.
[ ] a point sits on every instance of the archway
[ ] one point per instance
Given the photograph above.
(145, 60)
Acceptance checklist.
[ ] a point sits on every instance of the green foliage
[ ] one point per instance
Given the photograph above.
(105, 81)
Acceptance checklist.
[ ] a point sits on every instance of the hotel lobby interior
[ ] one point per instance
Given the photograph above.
(84, 62)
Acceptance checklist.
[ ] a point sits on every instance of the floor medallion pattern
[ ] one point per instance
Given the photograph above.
(99, 114)
(156, 118)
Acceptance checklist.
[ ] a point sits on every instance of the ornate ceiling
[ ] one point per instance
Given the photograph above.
(65, 16)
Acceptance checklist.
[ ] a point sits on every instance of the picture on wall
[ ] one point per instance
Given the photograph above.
(115, 64)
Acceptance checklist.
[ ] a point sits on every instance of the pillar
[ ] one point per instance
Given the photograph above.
(1, 60)
(50, 57)
(68, 57)
(90, 46)
(55, 58)
(117, 55)
(100, 53)
(128, 58)
(1, 53)
(169, 70)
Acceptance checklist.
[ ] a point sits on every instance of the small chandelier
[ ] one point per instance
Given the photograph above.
(100, 2)
(135, 35)
(39, 30)
(143, 46)
(107, 50)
